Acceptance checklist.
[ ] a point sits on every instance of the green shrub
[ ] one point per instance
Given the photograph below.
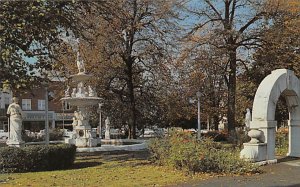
(184, 152)
(217, 136)
(56, 134)
(36, 158)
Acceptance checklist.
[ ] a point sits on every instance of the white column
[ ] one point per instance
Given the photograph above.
(294, 137)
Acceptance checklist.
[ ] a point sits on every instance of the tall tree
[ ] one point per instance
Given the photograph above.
(135, 42)
(231, 25)
(280, 46)
(28, 30)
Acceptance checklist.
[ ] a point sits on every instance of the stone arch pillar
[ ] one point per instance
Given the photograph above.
(279, 82)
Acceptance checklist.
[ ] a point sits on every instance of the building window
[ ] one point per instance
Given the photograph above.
(26, 104)
(66, 106)
(41, 104)
(4, 103)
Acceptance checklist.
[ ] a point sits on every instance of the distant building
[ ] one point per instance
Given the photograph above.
(5, 100)
(33, 105)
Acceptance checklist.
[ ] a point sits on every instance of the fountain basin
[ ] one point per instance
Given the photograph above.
(80, 77)
(112, 145)
(82, 101)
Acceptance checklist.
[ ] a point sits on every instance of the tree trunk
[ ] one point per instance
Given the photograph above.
(231, 93)
(132, 112)
(216, 122)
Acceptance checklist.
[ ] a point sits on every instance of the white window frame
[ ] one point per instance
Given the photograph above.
(41, 104)
(26, 104)
(66, 106)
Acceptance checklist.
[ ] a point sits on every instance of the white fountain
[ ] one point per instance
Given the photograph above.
(83, 96)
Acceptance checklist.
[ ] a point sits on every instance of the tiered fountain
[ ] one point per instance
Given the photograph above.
(83, 96)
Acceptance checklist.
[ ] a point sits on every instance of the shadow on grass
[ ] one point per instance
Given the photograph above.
(84, 160)
(81, 165)
(126, 155)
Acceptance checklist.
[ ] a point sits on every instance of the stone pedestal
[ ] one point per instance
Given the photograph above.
(15, 143)
(107, 135)
(254, 152)
(268, 127)
(84, 137)
(70, 141)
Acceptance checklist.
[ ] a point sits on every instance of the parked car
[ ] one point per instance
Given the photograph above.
(148, 133)
(41, 133)
(3, 134)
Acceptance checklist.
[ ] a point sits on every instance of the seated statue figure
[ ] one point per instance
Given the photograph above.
(91, 92)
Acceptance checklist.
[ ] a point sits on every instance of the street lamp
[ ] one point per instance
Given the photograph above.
(199, 122)
(100, 119)
(46, 114)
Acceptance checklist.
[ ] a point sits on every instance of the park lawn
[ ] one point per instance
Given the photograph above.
(101, 170)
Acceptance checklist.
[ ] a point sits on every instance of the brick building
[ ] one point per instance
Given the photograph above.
(5, 100)
(33, 105)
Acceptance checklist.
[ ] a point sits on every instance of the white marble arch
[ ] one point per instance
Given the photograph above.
(279, 82)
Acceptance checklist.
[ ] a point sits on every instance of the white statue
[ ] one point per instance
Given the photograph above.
(247, 119)
(73, 92)
(91, 92)
(107, 128)
(15, 125)
(79, 118)
(80, 90)
(75, 119)
(80, 64)
(67, 92)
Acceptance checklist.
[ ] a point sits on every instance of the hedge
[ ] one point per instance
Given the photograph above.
(36, 158)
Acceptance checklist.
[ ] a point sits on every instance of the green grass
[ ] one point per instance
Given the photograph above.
(101, 169)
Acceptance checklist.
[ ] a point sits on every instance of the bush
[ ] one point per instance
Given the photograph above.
(184, 152)
(217, 136)
(36, 158)
(54, 134)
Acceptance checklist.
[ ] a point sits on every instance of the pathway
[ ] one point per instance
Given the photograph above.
(285, 173)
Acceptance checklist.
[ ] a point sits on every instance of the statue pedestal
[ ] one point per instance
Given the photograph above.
(83, 138)
(107, 135)
(254, 152)
(15, 143)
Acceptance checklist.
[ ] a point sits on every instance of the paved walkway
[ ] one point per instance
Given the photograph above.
(285, 173)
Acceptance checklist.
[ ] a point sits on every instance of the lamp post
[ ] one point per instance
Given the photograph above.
(100, 119)
(199, 122)
(46, 114)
